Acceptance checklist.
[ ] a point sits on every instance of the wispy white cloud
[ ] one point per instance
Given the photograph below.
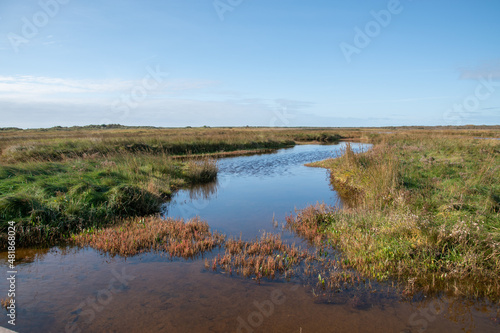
(35, 101)
(36, 85)
(395, 100)
(40, 87)
(161, 111)
(157, 112)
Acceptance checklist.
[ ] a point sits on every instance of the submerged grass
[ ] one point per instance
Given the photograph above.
(266, 257)
(422, 210)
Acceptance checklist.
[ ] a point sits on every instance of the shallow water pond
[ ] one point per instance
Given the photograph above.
(80, 290)
(252, 190)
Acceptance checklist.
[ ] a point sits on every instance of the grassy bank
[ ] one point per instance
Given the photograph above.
(50, 200)
(420, 209)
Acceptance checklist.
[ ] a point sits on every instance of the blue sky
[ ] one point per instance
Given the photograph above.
(249, 62)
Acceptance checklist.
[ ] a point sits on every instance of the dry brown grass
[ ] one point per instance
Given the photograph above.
(267, 257)
(175, 237)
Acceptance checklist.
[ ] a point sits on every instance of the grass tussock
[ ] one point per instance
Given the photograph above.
(133, 236)
(200, 171)
(308, 224)
(422, 210)
(266, 257)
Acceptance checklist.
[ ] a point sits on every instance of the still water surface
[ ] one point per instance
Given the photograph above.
(80, 290)
(251, 190)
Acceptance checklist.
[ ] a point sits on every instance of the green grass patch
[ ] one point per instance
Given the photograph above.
(422, 210)
(51, 200)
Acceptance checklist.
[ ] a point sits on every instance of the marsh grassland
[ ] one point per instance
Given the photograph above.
(420, 208)
(61, 181)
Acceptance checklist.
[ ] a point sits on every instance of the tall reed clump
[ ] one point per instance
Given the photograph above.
(425, 213)
(361, 179)
(309, 223)
(198, 171)
(135, 235)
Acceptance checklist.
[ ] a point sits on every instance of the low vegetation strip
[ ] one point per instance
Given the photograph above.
(58, 145)
(423, 210)
(266, 257)
(136, 235)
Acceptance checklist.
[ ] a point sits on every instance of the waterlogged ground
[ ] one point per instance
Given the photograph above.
(80, 290)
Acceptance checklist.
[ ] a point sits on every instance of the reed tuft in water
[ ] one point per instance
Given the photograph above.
(136, 235)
